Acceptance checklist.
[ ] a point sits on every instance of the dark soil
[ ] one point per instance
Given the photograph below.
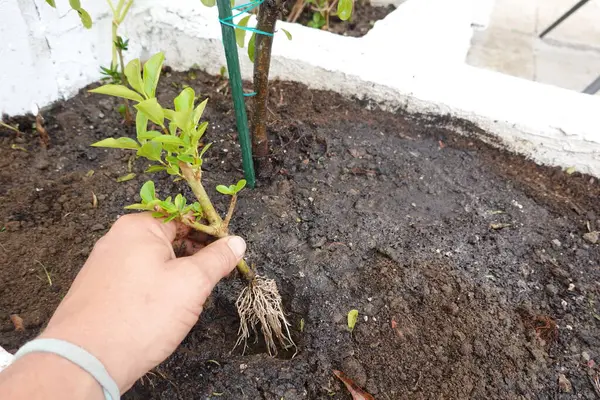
(391, 214)
(363, 17)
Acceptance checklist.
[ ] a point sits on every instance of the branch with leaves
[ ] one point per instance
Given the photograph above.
(170, 139)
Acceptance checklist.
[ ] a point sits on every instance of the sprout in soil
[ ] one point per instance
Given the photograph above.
(174, 147)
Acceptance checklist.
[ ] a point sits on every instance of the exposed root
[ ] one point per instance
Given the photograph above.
(260, 303)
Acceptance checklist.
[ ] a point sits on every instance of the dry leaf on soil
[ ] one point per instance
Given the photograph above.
(356, 392)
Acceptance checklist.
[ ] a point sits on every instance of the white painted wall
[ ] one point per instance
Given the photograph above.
(414, 59)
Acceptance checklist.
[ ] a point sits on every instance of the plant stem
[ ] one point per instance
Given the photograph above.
(128, 119)
(230, 211)
(193, 179)
(267, 18)
(217, 227)
(115, 26)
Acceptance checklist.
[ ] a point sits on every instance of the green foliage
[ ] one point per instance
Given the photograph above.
(209, 3)
(167, 148)
(318, 21)
(251, 46)
(240, 34)
(167, 208)
(352, 319)
(344, 9)
(85, 18)
(288, 34)
(112, 73)
(231, 189)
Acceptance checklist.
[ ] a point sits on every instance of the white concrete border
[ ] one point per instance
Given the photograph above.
(413, 59)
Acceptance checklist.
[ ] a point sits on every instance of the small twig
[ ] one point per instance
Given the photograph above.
(230, 211)
(39, 127)
(200, 227)
(45, 272)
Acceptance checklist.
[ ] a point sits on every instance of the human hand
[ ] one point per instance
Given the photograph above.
(133, 302)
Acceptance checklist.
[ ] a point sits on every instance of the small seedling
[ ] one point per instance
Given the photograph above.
(173, 146)
(322, 10)
(352, 319)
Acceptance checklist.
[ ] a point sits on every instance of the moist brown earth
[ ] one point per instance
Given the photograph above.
(458, 257)
(364, 16)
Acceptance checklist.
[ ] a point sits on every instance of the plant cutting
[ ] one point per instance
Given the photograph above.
(170, 139)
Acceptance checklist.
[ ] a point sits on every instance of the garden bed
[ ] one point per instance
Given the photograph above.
(455, 254)
(363, 18)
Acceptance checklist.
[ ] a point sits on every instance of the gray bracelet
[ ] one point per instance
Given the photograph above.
(77, 356)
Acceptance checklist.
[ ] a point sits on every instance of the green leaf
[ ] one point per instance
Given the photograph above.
(147, 192)
(182, 120)
(152, 69)
(51, 3)
(240, 34)
(153, 110)
(75, 4)
(196, 207)
(120, 143)
(169, 139)
(138, 207)
(180, 202)
(344, 9)
(169, 114)
(134, 76)
(199, 111)
(288, 34)
(168, 206)
(125, 178)
(85, 18)
(150, 150)
(118, 91)
(149, 135)
(251, 45)
(225, 190)
(240, 185)
(170, 218)
(155, 168)
(204, 149)
(186, 158)
(141, 124)
(209, 3)
(185, 100)
(352, 318)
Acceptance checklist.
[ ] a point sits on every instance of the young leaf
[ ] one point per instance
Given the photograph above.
(51, 3)
(251, 45)
(186, 158)
(118, 91)
(149, 135)
(75, 4)
(196, 207)
(169, 139)
(180, 202)
(86, 19)
(240, 185)
(182, 120)
(352, 318)
(150, 150)
(289, 35)
(225, 190)
(120, 143)
(125, 178)
(155, 168)
(185, 100)
(152, 69)
(209, 3)
(157, 214)
(138, 207)
(204, 149)
(152, 109)
(168, 206)
(198, 111)
(141, 124)
(147, 192)
(134, 76)
(170, 218)
(344, 9)
(240, 34)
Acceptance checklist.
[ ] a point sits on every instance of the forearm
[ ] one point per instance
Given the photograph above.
(47, 376)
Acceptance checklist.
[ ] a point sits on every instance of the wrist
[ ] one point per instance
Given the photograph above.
(47, 376)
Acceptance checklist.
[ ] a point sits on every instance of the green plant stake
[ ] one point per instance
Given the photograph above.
(237, 92)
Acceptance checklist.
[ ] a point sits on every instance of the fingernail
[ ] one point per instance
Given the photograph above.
(237, 246)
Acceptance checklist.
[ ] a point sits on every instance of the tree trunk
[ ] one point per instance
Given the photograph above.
(267, 18)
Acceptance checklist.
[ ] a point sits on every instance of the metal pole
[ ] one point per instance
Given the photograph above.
(237, 92)
(563, 17)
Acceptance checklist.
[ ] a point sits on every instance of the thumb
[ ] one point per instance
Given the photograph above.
(216, 260)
